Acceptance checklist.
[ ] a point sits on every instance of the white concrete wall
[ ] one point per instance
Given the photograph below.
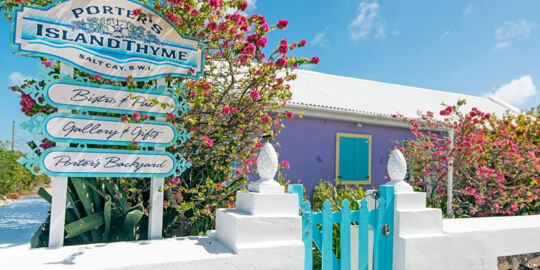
(423, 240)
(256, 235)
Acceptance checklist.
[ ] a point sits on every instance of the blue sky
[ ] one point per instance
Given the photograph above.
(470, 47)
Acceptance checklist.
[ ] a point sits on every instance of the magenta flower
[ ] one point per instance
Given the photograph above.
(137, 12)
(302, 43)
(47, 63)
(315, 60)
(255, 94)
(226, 110)
(97, 77)
(282, 24)
(289, 115)
(207, 141)
(261, 42)
(243, 5)
(285, 164)
(266, 118)
(136, 116)
(249, 48)
(281, 62)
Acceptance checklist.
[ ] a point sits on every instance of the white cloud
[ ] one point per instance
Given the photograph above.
(445, 35)
(468, 9)
(16, 78)
(511, 30)
(501, 45)
(518, 91)
(367, 22)
(320, 39)
(514, 29)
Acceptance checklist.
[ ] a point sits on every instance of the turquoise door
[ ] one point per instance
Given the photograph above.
(353, 162)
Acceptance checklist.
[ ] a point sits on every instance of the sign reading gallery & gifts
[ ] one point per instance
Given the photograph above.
(104, 37)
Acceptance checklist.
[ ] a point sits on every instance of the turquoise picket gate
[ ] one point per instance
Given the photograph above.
(381, 220)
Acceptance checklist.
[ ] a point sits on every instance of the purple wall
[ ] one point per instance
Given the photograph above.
(309, 144)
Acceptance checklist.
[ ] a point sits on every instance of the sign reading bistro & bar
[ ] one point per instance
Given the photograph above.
(105, 37)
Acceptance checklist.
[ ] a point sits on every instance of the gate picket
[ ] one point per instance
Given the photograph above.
(323, 238)
(345, 236)
(363, 230)
(327, 236)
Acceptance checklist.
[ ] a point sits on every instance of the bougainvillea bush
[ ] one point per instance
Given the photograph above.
(232, 112)
(495, 158)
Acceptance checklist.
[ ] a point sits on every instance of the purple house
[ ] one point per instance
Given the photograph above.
(348, 130)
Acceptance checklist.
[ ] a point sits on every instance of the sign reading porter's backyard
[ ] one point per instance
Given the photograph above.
(107, 163)
(106, 38)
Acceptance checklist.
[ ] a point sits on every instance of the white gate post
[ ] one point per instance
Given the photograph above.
(59, 191)
(155, 217)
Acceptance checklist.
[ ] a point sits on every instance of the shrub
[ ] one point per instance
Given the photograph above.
(495, 159)
(15, 177)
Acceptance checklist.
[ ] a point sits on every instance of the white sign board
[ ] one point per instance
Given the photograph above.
(104, 98)
(105, 130)
(107, 163)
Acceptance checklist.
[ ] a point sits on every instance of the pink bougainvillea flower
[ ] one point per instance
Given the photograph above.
(124, 118)
(137, 12)
(266, 118)
(255, 94)
(285, 164)
(47, 63)
(289, 115)
(97, 77)
(261, 42)
(249, 48)
(136, 116)
(226, 110)
(302, 43)
(243, 5)
(258, 145)
(315, 60)
(208, 142)
(282, 24)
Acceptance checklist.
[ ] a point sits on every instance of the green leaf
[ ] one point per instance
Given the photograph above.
(44, 194)
(107, 217)
(127, 231)
(84, 224)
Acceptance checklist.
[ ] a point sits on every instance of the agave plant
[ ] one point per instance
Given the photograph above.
(96, 212)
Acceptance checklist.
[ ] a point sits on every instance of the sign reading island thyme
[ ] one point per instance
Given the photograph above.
(107, 163)
(105, 37)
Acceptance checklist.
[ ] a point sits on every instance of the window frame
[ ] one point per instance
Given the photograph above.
(339, 135)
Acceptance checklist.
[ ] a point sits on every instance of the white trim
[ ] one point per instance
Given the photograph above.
(334, 114)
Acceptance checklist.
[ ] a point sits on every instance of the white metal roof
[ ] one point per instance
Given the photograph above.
(337, 94)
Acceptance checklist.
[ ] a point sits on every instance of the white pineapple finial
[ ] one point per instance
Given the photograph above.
(397, 170)
(267, 164)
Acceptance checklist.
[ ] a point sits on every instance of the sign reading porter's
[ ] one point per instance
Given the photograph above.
(106, 38)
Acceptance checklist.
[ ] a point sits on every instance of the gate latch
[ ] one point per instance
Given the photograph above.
(385, 230)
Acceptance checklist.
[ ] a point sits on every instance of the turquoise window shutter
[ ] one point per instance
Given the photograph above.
(346, 159)
(353, 158)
